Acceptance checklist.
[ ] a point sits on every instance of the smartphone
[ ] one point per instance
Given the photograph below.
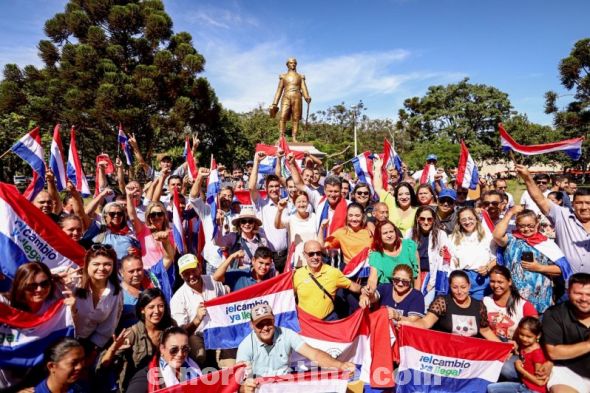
(527, 256)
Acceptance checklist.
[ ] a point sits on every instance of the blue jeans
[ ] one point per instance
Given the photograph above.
(508, 372)
(508, 387)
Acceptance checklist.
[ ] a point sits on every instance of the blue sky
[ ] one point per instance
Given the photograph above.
(378, 51)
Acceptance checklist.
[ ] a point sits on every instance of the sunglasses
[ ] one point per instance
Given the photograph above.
(541, 182)
(312, 254)
(173, 351)
(34, 285)
(101, 247)
(362, 193)
(402, 281)
(247, 221)
(425, 219)
(116, 214)
(445, 201)
(488, 203)
(156, 214)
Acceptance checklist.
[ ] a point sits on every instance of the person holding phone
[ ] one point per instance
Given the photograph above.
(533, 272)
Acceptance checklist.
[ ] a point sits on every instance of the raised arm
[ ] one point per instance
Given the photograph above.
(196, 188)
(101, 182)
(78, 205)
(499, 234)
(164, 238)
(295, 173)
(533, 189)
(219, 274)
(254, 194)
(160, 184)
(120, 175)
(137, 224)
(278, 172)
(52, 191)
(278, 217)
(137, 153)
(377, 181)
(90, 208)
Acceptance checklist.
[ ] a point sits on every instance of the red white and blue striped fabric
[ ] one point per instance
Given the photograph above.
(213, 188)
(26, 336)
(428, 173)
(390, 158)
(364, 339)
(227, 380)
(338, 219)
(193, 171)
(124, 141)
(324, 381)
(432, 361)
(358, 266)
(571, 147)
(177, 228)
(363, 167)
(26, 234)
(74, 167)
(57, 160)
(467, 174)
(267, 165)
(299, 157)
(29, 149)
(228, 317)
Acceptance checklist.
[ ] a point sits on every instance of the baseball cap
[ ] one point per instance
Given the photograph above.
(432, 157)
(448, 193)
(187, 261)
(261, 312)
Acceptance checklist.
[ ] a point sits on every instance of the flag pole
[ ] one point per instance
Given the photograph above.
(5, 153)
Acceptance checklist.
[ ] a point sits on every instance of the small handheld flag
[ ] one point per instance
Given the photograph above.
(29, 149)
(124, 141)
(57, 161)
(75, 171)
(467, 175)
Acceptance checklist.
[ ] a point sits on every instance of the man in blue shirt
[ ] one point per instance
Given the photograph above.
(237, 279)
(268, 347)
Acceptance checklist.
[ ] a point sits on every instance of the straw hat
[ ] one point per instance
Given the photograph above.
(246, 212)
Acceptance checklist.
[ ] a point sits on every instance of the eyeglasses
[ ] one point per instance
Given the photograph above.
(173, 351)
(101, 247)
(116, 214)
(402, 281)
(312, 254)
(425, 219)
(156, 214)
(34, 285)
(363, 193)
(445, 201)
(247, 221)
(488, 203)
(526, 226)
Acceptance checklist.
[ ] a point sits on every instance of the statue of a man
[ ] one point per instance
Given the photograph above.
(292, 87)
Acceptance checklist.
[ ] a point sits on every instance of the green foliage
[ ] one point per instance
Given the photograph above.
(109, 62)
(461, 111)
(574, 119)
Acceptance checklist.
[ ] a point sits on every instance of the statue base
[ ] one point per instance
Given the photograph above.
(306, 147)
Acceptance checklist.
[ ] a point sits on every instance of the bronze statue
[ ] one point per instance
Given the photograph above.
(292, 87)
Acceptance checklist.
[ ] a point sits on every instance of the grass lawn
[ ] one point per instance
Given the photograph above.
(516, 188)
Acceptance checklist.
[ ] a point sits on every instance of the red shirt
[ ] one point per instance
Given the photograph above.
(528, 361)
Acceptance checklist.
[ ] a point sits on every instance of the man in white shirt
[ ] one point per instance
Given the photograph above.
(542, 181)
(186, 305)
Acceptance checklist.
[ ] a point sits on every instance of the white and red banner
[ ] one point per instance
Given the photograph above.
(571, 147)
(432, 361)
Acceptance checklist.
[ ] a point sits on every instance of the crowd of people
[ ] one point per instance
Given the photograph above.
(486, 267)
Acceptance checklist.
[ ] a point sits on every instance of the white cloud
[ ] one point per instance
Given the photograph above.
(243, 78)
(20, 55)
(220, 18)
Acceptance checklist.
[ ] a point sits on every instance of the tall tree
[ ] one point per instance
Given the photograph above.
(457, 111)
(109, 62)
(574, 119)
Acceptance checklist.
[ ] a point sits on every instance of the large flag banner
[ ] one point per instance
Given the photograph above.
(363, 338)
(432, 361)
(25, 336)
(571, 147)
(467, 175)
(29, 149)
(57, 160)
(390, 158)
(26, 234)
(177, 227)
(325, 381)
(228, 317)
(363, 167)
(227, 380)
(358, 266)
(244, 199)
(338, 219)
(74, 167)
(268, 163)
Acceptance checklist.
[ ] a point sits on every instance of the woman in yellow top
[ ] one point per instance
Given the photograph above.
(351, 239)
(402, 204)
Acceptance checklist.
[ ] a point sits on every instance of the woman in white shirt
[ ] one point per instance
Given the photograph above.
(99, 299)
(301, 225)
(473, 250)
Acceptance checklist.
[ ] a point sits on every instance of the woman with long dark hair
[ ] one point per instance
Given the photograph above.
(405, 202)
(134, 347)
(351, 239)
(433, 248)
